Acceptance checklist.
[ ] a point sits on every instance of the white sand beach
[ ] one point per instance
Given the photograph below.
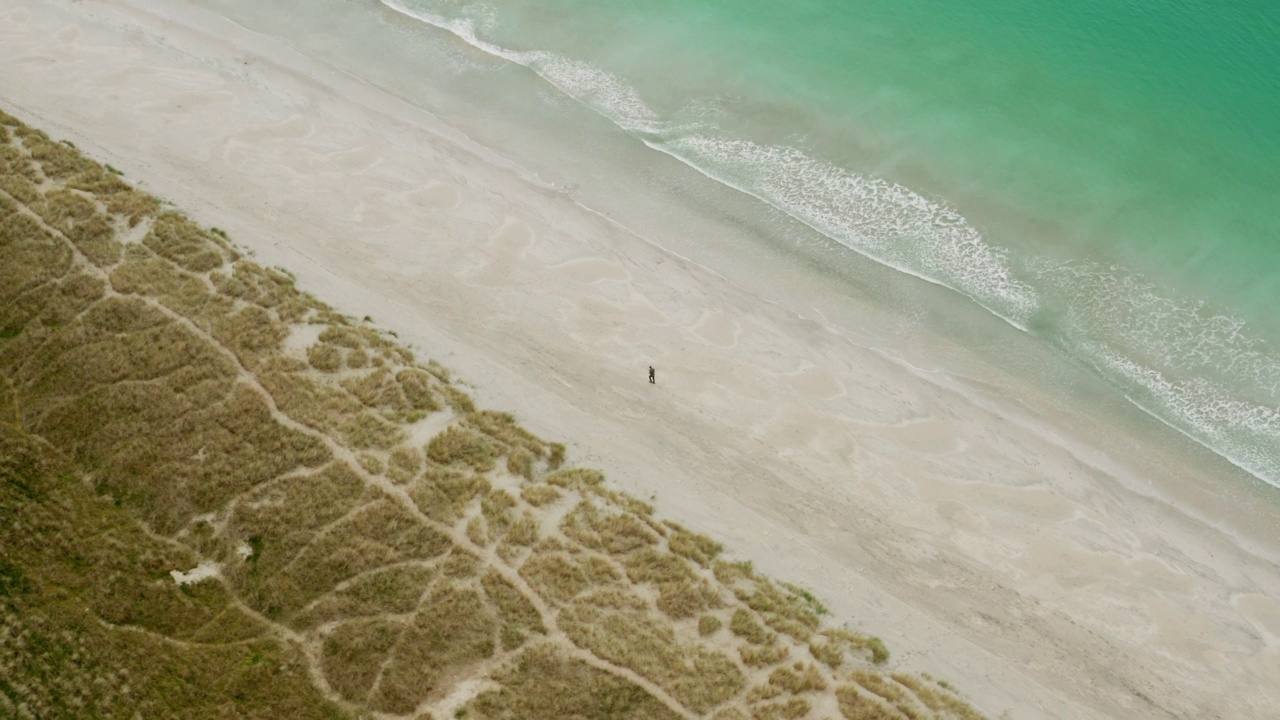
(1046, 567)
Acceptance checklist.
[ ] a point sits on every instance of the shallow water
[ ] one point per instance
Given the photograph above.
(1098, 175)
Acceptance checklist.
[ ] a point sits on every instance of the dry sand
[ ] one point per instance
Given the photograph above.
(1042, 576)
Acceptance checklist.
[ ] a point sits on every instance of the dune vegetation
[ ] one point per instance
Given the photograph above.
(219, 497)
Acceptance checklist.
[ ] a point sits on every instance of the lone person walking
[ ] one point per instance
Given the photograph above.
(651, 380)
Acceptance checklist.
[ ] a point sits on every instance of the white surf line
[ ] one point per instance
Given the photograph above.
(527, 59)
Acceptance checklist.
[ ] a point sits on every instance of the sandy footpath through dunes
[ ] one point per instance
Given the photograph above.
(1015, 566)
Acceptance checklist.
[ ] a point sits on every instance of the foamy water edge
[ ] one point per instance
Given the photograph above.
(834, 202)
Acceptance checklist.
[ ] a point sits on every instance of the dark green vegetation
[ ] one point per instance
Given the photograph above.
(210, 506)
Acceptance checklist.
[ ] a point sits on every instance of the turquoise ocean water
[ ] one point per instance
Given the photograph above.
(1101, 175)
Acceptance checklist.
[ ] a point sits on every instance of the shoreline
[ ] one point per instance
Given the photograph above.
(567, 306)
(1186, 401)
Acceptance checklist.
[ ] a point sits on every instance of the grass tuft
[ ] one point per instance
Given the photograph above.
(698, 548)
(800, 678)
(460, 446)
(709, 625)
(763, 655)
(873, 646)
(744, 625)
(540, 495)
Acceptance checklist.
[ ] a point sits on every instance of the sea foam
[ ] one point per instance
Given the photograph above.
(1187, 367)
(1197, 370)
(885, 221)
(597, 89)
